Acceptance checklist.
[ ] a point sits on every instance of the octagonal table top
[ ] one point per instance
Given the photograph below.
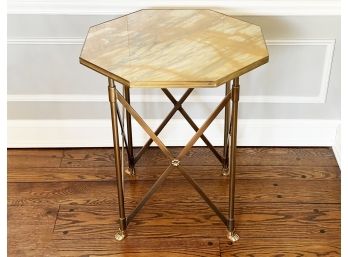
(174, 48)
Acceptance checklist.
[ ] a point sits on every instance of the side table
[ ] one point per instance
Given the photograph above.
(174, 48)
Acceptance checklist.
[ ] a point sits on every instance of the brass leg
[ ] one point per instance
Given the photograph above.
(175, 161)
(232, 235)
(131, 162)
(119, 173)
(225, 170)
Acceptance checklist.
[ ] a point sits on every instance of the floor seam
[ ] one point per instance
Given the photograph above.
(55, 221)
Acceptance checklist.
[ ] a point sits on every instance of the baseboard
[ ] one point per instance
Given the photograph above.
(97, 133)
(336, 147)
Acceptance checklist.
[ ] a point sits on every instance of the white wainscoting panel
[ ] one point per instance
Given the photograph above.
(97, 133)
(298, 72)
(260, 78)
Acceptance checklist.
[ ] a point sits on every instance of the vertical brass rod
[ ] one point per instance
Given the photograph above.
(205, 125)
(119, 173)
(232, 160)
(177, 105)
(193, 125)
(131, 162)
(122, 129)
(227, 123)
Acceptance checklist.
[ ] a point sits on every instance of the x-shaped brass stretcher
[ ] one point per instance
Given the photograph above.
(227, 160)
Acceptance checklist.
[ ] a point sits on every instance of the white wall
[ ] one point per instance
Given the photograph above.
(292, 100)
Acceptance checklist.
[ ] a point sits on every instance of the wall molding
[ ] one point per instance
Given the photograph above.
(238, 7)
(320, 98)
(97, 133)
(325, 77)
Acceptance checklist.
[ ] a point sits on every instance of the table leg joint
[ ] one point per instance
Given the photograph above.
(175, 162)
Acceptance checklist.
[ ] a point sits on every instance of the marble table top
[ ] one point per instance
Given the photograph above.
(174, 48)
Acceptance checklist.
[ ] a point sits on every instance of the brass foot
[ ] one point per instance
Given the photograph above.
(120, 235)
(232, 236)
(130, 171)
(225, 171)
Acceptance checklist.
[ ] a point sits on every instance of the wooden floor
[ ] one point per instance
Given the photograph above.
(62, 202)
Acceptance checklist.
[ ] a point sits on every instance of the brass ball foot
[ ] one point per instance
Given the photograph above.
(232, 236)
(120, 235)
(130, 171)
(225, 171)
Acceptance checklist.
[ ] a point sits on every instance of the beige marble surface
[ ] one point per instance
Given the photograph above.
(174, 48)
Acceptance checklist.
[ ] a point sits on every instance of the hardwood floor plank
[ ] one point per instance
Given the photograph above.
(188, 220)
(143, 253)
(152, 173)
(30, 230)
(274, 190)
(31, 240)
(248, 190)
(140, 247)
(29, 175)
(292, 156)
(32, 215)
(29, 158)
(275, 247)
(264, 156)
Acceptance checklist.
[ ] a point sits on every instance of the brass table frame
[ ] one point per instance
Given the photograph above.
(228, 159)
